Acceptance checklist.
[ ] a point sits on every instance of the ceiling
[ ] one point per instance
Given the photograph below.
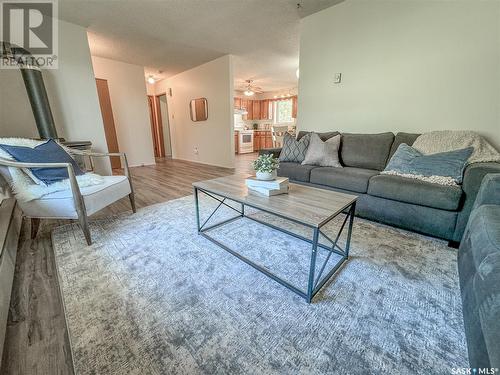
(171, 36)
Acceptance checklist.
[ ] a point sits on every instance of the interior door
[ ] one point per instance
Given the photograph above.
(108, 120)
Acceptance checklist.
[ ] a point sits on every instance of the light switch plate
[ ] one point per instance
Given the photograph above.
(338, 78)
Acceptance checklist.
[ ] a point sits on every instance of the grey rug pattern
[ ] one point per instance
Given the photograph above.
(151, 296)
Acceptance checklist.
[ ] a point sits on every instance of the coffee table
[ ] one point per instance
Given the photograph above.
(304, 205)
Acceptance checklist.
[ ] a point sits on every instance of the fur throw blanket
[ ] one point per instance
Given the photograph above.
(449, 140)
(24, 188)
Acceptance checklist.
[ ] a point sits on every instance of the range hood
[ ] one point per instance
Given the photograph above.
(240, 112)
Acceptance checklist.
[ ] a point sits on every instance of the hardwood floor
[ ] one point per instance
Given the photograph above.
(37, 339)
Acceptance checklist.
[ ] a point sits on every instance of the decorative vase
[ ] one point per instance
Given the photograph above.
(266, 176)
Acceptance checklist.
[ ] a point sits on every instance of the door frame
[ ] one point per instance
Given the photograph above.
(157, 125)
(156, 128)
(110, 142)
(157, 98)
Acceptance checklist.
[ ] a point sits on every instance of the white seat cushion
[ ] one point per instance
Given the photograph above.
(60, 204)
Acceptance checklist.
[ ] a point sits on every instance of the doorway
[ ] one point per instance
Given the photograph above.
(108, 121)
(160, 126)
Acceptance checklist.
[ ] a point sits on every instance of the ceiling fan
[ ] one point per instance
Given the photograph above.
(250, 89)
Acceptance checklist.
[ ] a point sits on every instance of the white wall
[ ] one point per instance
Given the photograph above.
(213, 138)
(72, 95)
(127, 90)
(411, 66)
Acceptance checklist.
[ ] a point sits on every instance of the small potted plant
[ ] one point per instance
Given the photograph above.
(265, 167)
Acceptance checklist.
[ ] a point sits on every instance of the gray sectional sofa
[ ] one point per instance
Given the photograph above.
(479, 271)
(436, 210)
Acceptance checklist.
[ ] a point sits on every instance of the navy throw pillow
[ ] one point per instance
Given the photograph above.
(407, 160)
(294, 150)
(48, 152)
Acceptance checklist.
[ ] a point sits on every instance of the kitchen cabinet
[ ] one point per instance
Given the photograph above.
(262, 139)
(250, 109)
(268, 143)
(256, 109)
(264, 109)
(237, 103)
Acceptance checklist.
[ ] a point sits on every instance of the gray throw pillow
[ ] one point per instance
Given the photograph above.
(407, 160)
(324, 154)
(293, 150)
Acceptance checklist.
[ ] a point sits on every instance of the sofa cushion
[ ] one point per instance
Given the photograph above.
(295, 171)
(400, 138)
(370, 151)
(60, 204)
(414, 191)
(348, 178)
(324, 136)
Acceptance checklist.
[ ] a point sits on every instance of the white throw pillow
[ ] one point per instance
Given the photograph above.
(324, 154)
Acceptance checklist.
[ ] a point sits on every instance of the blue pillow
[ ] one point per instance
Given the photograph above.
(407, 160)
(48, 152)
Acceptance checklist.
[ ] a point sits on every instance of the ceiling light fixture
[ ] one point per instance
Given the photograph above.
(151, 79)
(250, 89)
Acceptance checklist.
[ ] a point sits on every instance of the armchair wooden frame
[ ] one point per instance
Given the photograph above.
(75, 189)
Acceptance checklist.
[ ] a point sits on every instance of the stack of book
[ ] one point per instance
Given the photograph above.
(267, 188)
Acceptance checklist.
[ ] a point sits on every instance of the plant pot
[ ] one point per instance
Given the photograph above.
(265, 176)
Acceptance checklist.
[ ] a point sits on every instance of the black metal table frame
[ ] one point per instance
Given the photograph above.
(314, 285)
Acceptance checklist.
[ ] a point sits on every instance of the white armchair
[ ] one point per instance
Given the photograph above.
(76, 202)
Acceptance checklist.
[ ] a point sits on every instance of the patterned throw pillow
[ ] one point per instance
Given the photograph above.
(293, 150)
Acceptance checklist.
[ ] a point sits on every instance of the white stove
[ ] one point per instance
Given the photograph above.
(245, 141)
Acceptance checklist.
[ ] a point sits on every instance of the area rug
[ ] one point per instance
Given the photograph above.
(151, 296)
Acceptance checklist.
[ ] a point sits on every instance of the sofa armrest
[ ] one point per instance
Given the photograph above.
(473, 176)
(274, 151)
(489, 192)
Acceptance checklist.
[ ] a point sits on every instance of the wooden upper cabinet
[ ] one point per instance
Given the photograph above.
(250, 110)
(237, 103)
(265, 112)
(256, 109)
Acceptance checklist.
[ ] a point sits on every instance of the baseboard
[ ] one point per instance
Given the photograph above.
(202, 163)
